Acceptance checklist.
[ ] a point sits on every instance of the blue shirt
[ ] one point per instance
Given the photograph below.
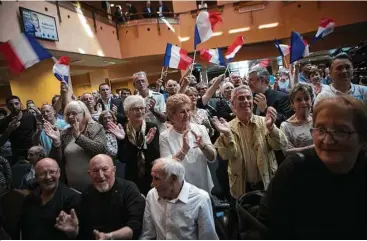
(47, 141)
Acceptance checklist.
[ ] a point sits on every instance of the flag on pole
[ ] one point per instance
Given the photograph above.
(23, 52)
(214, 56)
(283, 49)
(176, 58)
(61, 69)
(299, 47)
(234, 48)
(205, 24)
(326, 27)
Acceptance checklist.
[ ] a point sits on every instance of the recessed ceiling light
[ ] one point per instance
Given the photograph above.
(269, 25)
(239, 30)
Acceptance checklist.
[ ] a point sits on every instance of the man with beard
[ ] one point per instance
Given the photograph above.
(342, 74)
(18, 127)
(40, 137)
(111, 208)
(42, 205)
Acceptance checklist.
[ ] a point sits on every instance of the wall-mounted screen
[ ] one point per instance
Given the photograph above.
(38, 24)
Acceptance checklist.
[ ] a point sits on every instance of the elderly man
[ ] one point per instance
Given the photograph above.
(172, 88)
(42, 206)
(264, 96)
(89, 101)
(236, 79)
(154, 100)
(111, 208)
(342, 74)
(109, 103)
(248, 142)
(175, 209)
(40, 137)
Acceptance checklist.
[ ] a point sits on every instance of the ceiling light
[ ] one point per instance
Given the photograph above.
(239, 30)
(269, 25)
(183, 39)
(112, 5)
(217, 34)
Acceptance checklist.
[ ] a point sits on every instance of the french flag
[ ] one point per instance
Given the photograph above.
(61, 69)
(205, 24)
(299, 47)
(326, 27)
(234, 48)
(283, 49)
(176, 58)
(23, 52)
(214, 56)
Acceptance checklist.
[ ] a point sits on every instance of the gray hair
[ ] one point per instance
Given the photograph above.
(133, 100)
(80, 107)
(238, 89)
(172, 167)
(138, 74)
(261, 73)
(41, 152)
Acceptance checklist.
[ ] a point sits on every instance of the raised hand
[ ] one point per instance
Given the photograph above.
(99, 108)
(198, 140)
(13, 125)
(51, 131)
(114, 109)
(222, 125)
(185, 142)
(151, 103)
(260, 101)
(75, 130)
(116, 130)
(67, 223)
(271, 117)
(150, 135)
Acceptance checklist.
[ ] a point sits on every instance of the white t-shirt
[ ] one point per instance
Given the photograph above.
(195, 163)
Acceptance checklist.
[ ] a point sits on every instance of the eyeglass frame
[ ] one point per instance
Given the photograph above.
(332, 133)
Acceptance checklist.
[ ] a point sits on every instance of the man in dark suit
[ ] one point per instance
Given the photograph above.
(264, 96)
(109, 103)
(162, 9)
(148, 10)
(131, 11)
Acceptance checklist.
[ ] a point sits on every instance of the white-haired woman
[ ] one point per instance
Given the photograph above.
(223, 106)
(76, 145)
(140, 147)
(188, 143)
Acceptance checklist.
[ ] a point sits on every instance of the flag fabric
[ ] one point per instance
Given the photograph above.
(205, 24)
(299, 47)
(234, 48)
(214, 56)
(23, 52)
(176, 58)
(326, 27)
(283, 49)
(61, 69)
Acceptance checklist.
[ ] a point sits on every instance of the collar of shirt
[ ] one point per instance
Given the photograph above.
(183, 196)
(350, 91)
(108, 102)
(252, 120)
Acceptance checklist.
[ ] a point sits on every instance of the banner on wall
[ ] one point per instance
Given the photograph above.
(39, 25)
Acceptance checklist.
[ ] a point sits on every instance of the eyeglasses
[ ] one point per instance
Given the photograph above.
(138, 109)
(335, 134)
(50, 172)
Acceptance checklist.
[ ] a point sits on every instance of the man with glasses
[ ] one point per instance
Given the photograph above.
(42, 206)
(342, 73)
(154, 100)
(111, 208)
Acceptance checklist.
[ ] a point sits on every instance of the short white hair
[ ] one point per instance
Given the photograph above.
(78, 106)
(261, 73)
(133, 100)
(238, 89)
(172, 167)
(224, 85)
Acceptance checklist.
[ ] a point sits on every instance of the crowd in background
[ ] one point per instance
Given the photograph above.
(301, 137)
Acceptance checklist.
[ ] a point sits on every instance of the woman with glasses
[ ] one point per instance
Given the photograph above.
(321, 193)
(76, 145)
(187, 142)
(297, 127)
(140, 147)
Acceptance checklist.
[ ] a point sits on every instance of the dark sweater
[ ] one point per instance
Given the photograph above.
(106, 212)
(306, 201)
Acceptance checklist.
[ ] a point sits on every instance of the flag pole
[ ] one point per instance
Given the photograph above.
(285, 62)
(162, 72)
(193, 62)
(226, 70)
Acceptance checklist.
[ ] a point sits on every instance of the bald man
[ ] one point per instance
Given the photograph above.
(111, 208)
(43, 205)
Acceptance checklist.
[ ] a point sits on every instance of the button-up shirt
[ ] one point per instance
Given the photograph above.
(160, 106)
(357, 91)
(189, 216)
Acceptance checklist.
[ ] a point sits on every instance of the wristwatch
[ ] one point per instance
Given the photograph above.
(109, 236)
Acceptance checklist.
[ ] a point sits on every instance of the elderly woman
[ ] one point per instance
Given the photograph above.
(76, 145)
(198, 115)
(223, 106)
(113, 130)
(140, 147)
(297, 127)
(188, 143)
(321, 193)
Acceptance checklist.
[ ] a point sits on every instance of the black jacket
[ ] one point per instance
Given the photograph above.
(280, 101)
(121, 118)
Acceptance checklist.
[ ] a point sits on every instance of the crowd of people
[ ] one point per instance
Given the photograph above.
(134, 166)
